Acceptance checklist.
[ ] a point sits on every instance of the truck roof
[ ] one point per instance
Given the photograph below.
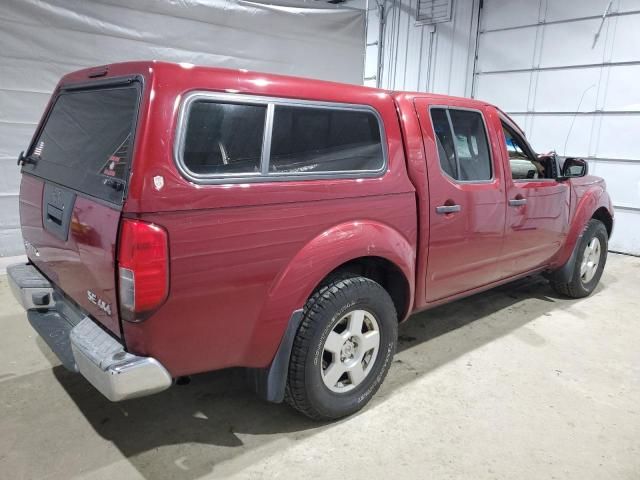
(243, 80)
(257, 78)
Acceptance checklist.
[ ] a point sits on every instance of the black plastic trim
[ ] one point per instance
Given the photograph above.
(103, 82)
(54, 329)
(270, 382)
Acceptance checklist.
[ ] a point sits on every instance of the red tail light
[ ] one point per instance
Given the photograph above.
(143, 268)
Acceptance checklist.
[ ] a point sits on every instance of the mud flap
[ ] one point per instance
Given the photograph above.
(565, 273)
(270, 382)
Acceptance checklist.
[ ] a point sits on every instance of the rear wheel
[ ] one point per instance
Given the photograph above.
(343, 349)
(589, 262)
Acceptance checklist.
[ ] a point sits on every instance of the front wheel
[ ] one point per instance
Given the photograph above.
(343, 349)
(589, 262)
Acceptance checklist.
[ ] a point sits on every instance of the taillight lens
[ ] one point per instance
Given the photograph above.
(143, 268)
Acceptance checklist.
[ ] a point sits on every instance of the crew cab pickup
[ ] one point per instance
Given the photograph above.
(181, 219)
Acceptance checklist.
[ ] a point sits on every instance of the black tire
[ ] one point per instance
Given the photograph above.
(306, 390)
(577, 287)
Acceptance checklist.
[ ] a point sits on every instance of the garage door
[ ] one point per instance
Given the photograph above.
(567, 71)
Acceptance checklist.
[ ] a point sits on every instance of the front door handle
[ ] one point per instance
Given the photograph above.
(517, 202)
(448, 209)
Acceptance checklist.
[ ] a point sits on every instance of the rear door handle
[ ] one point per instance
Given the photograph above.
(448, 209)
(517, 202)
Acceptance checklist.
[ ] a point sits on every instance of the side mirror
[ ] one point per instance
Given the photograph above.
(574, 167)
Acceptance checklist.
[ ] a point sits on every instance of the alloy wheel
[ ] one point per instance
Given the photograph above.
(350, 351)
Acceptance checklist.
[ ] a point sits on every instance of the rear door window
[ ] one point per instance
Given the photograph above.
(444, 140)
(463, 148)
(86, 141)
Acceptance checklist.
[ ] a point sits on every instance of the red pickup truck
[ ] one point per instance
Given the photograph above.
(181, 219)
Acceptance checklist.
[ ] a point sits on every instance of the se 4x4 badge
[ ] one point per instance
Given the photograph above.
(102, 305)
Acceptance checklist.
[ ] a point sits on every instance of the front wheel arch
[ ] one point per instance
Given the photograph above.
(605, 217)
(566, 280)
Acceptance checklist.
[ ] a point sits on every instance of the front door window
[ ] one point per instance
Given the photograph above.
(524, 164)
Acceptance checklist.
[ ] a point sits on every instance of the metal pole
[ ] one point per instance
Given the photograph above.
(381, 14)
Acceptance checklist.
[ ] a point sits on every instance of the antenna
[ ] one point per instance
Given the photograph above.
(564, 151)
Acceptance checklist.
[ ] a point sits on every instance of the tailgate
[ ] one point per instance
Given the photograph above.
(72, 190)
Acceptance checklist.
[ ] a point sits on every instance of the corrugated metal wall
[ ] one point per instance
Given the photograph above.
(541, 61)
(428, 58)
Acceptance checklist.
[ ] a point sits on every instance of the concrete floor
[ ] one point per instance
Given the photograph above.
(514, 383)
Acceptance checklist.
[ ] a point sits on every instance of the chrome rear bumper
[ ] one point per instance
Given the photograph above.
(30, 287)
(118, 375)
(81, 344)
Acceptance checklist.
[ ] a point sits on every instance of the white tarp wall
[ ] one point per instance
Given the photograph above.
(43, 39)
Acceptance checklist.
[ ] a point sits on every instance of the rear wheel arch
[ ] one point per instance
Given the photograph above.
(374, 248)
(342, 246)
(343, 348)
(382, 271)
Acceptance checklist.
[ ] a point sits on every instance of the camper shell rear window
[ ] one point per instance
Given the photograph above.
(86, 140)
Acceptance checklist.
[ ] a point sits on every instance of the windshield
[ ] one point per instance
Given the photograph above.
(86, 141)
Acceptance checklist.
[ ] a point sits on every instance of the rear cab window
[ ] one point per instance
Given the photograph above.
(220, 138)
(86, 141)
